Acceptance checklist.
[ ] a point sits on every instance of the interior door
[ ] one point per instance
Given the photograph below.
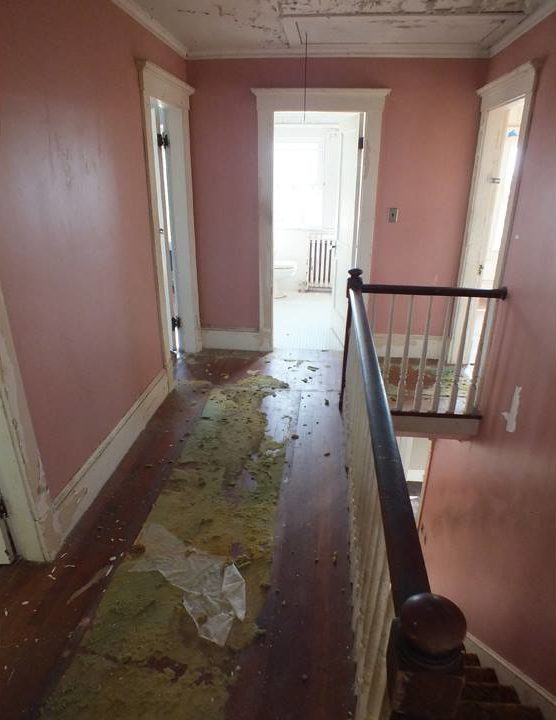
(161, 143)
(348, 212)
(487, 220)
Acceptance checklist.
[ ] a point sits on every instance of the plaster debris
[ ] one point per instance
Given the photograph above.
(213, 590)
(143, 647)
(511, 415)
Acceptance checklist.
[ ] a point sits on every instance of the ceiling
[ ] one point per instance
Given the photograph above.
(260, 28)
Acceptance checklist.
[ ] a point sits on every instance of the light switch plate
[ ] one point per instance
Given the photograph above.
(392, 215)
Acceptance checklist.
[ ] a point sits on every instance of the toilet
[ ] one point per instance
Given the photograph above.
(283, 269)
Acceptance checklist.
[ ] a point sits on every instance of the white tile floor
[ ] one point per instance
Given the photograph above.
(302, 321)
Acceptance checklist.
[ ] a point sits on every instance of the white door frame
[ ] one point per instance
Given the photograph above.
(516, 85)
(271, 100)
(22, 482)
(157, 85)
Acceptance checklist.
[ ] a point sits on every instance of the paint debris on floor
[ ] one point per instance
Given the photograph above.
(429, 383)
(143, 654)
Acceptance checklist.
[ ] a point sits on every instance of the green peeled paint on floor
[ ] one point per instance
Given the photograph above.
(142, 656)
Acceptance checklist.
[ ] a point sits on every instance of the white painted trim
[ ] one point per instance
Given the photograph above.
(520, 83)
(529, 691)
(141, 16)
(162, 85)
(393, 50)
(83, 488)
(159, 86)
(514, 85)
(456, 428)
(233, 339)
(271, 100)
(22, 482)
(542, 12)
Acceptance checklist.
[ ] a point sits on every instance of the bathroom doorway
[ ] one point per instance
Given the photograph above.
(316, 182)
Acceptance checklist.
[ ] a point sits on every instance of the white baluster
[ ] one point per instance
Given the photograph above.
(443, 353)
(423, 363)
(388, 349)
(477, 368)
(403, 368)
(459, 359)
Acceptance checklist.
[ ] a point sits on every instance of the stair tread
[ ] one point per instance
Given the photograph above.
(479, 674)
(489, 692)
(471, 660)
(471, 710)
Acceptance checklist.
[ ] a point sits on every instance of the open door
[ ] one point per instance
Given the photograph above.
(488, 223)
(348, 215)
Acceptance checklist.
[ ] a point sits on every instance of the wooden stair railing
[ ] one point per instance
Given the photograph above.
(432, 343)
(407, 639)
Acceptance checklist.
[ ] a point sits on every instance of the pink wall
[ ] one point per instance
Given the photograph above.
(490, 509)
(429, 135)
(76, 261)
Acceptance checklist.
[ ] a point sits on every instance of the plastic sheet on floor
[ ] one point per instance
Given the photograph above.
(213, 588)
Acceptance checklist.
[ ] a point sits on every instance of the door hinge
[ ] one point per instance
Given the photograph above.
(176, 322)
(361, 144)
(3, 509)
(162, 140)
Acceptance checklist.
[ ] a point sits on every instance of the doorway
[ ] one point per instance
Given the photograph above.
(316, 181)
(486, 238)
(167, 147)
(338, 248)
(505, 109)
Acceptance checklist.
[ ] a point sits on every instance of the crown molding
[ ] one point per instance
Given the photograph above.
(393, 50)
(143, 18)
(546, 9)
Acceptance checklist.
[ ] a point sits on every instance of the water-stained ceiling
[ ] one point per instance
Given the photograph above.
(231, 28)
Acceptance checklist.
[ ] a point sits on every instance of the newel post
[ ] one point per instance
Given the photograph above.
(354, 282)
(425, 657)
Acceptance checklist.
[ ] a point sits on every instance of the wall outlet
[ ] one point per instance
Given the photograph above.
(392, 215)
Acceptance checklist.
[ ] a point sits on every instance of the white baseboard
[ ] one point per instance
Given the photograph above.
(434, 346)
(70, 505)
(234, 339)
(530, 692)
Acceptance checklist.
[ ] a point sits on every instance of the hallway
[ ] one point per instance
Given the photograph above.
(298, 663)
(303, 321)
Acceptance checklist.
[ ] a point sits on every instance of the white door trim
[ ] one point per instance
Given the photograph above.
(159, 85)
(37, 521)
(520, 83)
(22, 482)
(271, 100)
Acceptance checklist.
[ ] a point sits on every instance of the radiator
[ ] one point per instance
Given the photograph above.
(321, 257)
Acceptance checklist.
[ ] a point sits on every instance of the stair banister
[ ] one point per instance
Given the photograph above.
(425, 645)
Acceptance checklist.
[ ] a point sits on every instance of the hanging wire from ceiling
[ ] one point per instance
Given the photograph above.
(305, 79)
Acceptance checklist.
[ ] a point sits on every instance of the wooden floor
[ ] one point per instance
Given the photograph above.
(303, 669)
